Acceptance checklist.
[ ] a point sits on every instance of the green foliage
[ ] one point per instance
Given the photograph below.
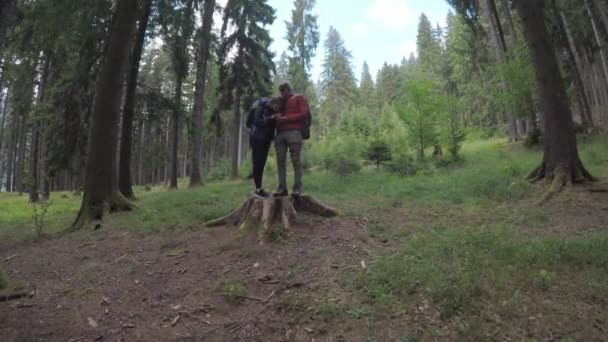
(403, 164)
(458, 268)
(247, 72)
(303, 38)
(39, 211)
(367, 92)
(220, 171)
(338, 81)
(343, 156)
(418, 109)
(3, 280)
(378, 152)
(233, 291)
(452, 132)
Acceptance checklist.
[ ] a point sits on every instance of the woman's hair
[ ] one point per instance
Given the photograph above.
(276, 101)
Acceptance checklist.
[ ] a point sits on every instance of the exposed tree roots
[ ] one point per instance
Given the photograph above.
(269, 215)
(93, 213)
(560, 177)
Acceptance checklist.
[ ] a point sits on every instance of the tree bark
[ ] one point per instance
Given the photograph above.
(22, 141)
(7, 14)
(602, 12)
(175, 133)
(101, 193)
(125, 181)
(511, 31)
(10, 154)
(140, 149)
(2, 124)
(500, 52)
(598, 41)
(199, 93)
(236, 120)
(271, 216)
(561, 162)
(34, 185)
(574, 63)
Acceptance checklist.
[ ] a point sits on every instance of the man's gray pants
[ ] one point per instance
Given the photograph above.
(292, 141)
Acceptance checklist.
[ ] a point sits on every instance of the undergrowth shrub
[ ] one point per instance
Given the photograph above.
(458, 268)
(343, 156)
(220, 171)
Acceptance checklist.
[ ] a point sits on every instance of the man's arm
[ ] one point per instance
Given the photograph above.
(302, 113)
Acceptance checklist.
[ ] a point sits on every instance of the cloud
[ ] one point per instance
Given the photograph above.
(408, 48)
(394, 14)
(359, 28)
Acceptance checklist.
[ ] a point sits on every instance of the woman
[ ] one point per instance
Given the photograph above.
(262, 127)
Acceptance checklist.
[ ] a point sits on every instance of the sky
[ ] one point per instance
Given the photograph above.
(375, 31)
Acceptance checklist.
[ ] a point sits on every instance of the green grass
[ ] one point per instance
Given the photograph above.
(3, 280)
(492, 173)
(458, 268)
(233, 291)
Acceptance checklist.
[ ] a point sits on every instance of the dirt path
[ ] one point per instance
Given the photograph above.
(210, 285)
(117, 286)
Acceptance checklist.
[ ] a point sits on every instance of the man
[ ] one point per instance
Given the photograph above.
(289, 137)
(261, 126)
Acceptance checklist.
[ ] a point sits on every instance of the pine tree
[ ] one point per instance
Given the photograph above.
(428, 42)
(367, 91)
(245, 61)
(338, 80)
(177, 26)
(124, 174)
(101, 188)
(303, 38)
(203, 53)
(561, 161)
(282, 74)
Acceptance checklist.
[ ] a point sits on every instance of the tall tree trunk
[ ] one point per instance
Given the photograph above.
(125, 181)
(236, 120)
(511, 31)
(500, 52)
(34, 183)
(23, 132)
(7, 15)
(601, 9)
(140, 155)
(573, 63)
(199, 93)
(101, 193)
(598, 41)
(11, 154)
(561, 161)
(2, 123)
(175, 132)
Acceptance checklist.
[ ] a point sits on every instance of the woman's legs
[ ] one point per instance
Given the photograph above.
(259, 150)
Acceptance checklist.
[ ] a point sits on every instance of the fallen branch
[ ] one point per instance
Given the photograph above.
(13, 296)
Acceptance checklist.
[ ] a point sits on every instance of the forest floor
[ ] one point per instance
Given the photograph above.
(461, 254)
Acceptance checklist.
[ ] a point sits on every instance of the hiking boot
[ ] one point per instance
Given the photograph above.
(261, 193)
(296, 192)
(281, 193)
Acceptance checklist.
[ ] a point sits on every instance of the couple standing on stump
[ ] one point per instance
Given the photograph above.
(286, 120)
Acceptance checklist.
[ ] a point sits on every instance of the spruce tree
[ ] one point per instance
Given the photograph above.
(245, 62)
(303, 38)
(338, 79)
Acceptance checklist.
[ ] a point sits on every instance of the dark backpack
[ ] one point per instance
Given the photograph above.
(307, 122)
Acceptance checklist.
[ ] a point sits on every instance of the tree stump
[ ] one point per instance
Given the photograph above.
(271, 215)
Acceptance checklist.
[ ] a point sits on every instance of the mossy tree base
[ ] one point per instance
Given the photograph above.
(267, 216)
(560, 176)
(92, 214)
